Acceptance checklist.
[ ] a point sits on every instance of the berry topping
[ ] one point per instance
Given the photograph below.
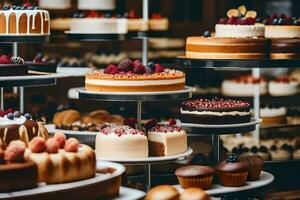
(131, 15)
(273, 148)
(27, 5)
(125, 65)
(263, 149)
(151, 65)
(158, 68)
(27, 116)
(6, 7)
(10, 116)
(172, 122)
(15, 151)
(162, 128)
(199, 159)
(130, 122)
(38, 58)
(206, 34)
(232, 20)
(148, 70)
(222, 21)
(92, 14)
(61, 139)
(37, 145)
(4, 59)
(231, 158)
(72, 145)
(120, 130)
(139, 69)
(111, 69)
(254, 149)
(281, 20)
(215, 103)
(16, 60)
(6, 112)
(52, 145)
(156, 16)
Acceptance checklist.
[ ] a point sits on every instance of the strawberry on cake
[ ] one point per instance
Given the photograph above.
(283, 86)
(133, 76)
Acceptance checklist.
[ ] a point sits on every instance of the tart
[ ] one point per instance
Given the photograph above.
(131, 76)
(244, 86)
(283, 86)
(273, 114)
(215, 111)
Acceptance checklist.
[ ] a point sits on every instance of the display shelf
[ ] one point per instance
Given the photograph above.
(81, 189)
(265, 179)
(213, 63)
(96, 36)
(137, 96)
(24, 38)
(222, 129)
(279, 126)
(276, 162)
(149, 160)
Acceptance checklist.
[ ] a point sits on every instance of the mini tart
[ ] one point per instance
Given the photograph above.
(282, 31)
(226, 48)
(169, 80)
(255, 163)
(239, 31)
(166, 140)
(204, 111)
(195, 176)
(232, 174)
(285, 48)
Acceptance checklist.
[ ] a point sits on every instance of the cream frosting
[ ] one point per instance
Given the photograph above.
(233, 88)
(55, 4)
(134, 82)
(4, 121)
(239, 31)
(283, 89)
(96, 4)
(282, 31)
(273, 112)
(231, 113)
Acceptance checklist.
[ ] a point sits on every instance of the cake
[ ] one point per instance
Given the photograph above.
(215, 111)
(96, 5)
(239, 24)
(226, 48)
(116, 141)
(97, 23)
(16, 20)
(282, 27)
(42, 63)
(167, 140)
(55, 4)
(283, 86)
(158, 23)
(273, 114)
(12, 66)
(285, 48)
(15, 126)
(136, 22)
(131, 76)
(244, 86)
(16, 173)
(60, 160)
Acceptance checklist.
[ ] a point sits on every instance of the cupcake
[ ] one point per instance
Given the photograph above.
(264, 152)
(283, 153)
(165, 192)
(231, 172)
(194, 194)
(195, 176)
(255, 163)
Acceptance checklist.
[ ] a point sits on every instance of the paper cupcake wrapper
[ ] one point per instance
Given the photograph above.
(254, 173)
(233, 179)
(199, 182)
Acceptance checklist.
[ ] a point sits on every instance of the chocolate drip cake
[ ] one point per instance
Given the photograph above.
(216, 111)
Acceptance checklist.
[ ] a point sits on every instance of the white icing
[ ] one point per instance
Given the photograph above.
(282, 32)
(283, 89)
(55, 4)
(134, 82)
(231, 113)
(96, 4)
(273, 112)
(4, 121)
(239, 31)
(239, 89)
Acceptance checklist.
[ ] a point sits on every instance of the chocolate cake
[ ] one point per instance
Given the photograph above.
(216, 111)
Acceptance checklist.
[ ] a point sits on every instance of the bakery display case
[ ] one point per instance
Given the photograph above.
(139, 100)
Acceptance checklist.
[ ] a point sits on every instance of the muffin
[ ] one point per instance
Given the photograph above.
(231, 172)
(162, 192)
(255, 163)
(195, 176)
(194, 194)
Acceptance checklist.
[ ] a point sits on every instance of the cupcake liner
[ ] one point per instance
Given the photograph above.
(232, 179)
(254, 173)
(199, 182)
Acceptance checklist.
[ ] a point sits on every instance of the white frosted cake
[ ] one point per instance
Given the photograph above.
(283, 86)
(167, 140)
(117, 141)
(96, 4)
(282, 31)
(239, 31)
(55, 4)
(99, 25)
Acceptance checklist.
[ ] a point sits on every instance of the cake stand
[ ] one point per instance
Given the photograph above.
(216, 190)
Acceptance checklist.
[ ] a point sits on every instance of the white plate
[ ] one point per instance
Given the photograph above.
(265, 179)
(253, 122)
(129, 194)
(74, 71)
(149, 160)
(33, 77)
(43, 188)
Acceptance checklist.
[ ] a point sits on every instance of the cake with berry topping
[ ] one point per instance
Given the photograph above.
(12, 66)
(158, 23)
(116, 141)
(226, 48)
(55, 4)
(215, 111)
(282, 27)
(61, 160)
(167, 140)
(24, 20)
(15, 126)
(283, 86)
(244, 86)
(136, 22)
(96, 5)
(273, 114)
(97, 22)
(133, 76)
(16, 173)
(239, 24)
(42, 63)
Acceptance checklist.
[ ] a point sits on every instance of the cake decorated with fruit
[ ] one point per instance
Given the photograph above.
(158, 23)
(136, 22)
(133, 76)
(12, 66)
(24, 20)
(16, 126)
(239, 23)
(215, 111)
(283, 86)
(61, 160)
(43, 63)
(244, 86)
(121, 141)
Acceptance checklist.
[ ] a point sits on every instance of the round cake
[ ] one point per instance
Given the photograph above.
(158, 23)
(55, 4)
(116, 141)
(136, 22)
(283, 86)
(285, 48)
(131, 76)
(226, 48)
(216, 111)
(24, 21)
(273, 114)
(244, 86)
(96, 5)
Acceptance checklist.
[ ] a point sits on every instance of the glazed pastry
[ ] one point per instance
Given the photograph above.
(194, 194)
(165, 192)
(255, 163)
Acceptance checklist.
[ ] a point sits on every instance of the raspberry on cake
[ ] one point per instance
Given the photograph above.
(244, 86)
(116, 141)
(283, 86)
(131, 76)
(215, 111)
